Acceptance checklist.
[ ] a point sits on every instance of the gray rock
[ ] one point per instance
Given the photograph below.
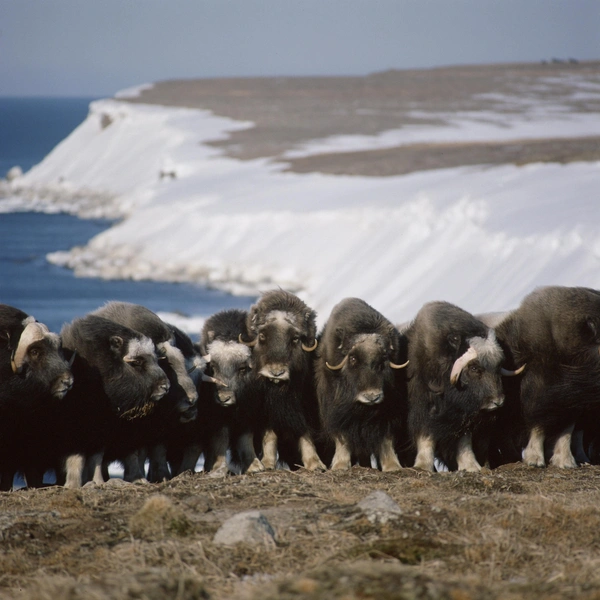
(249, 527)
(378, 507)
(115, 482)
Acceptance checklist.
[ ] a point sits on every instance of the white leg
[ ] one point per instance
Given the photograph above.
(269, 446)
(250, 462)
(94, 464)
(562, 456)
(425, 453)
(533, 455)
(342, 459)
(387, 455)
(308, 452)
(465, 457)
(74, 470)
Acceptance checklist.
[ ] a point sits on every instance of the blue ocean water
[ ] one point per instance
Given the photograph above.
(53, 294)
(31, 127)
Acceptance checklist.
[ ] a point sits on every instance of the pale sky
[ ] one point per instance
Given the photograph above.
(97, 47)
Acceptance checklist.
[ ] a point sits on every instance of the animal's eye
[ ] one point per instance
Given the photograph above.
(296, 339)
(262, 337)
(34, 353)
(136, 362)
(243, 370)
(474, 369)
(352, 360)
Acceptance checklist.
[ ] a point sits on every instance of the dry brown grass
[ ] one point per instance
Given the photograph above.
(512, 533)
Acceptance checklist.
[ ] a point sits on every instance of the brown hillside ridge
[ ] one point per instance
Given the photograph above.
(289, 111)
(512, 533)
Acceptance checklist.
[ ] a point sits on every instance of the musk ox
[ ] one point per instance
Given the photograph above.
(233, 388)
(454, 384)
(146, 436)
(227, 401)
(131, 441)
(182, 413)
(554, 336)
(360, 385)
(142, 319)
(282, 335)
(34, 379)
(117, 377)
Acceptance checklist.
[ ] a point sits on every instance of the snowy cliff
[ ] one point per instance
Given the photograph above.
(481, 237)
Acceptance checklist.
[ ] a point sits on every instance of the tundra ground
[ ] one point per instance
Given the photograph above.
(515, 532)
(290, 111)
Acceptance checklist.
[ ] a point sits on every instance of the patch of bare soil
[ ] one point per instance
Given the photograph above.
(288, 111)
(515, 532)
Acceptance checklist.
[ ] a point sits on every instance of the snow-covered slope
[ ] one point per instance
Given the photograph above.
(480, 237)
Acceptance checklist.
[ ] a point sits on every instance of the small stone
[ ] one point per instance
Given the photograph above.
(157, 518)
(304, 585)
(379, 507)
(249, 527)
(115, 482)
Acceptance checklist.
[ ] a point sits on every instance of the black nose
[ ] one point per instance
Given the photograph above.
(277, 372)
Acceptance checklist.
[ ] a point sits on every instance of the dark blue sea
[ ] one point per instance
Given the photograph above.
(29, 129)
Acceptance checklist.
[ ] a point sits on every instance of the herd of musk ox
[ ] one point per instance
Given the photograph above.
(262, 388)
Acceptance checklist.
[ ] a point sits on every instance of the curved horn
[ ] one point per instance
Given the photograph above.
(337, 367)
(33, 332)
(249, 344)
(507, 373)
(394, 366)
(210, 379)
(311, 348)
(460, 364)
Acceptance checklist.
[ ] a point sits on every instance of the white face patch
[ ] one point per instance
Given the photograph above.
(283, 317)
(223, 352)
(488, 350)
(366, 338)
(176, 359)
(33, 332)
(139, 347)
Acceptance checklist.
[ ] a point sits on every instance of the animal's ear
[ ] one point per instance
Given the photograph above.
(253, 319)
(116, 343)
(205, 340)
(454, 340)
